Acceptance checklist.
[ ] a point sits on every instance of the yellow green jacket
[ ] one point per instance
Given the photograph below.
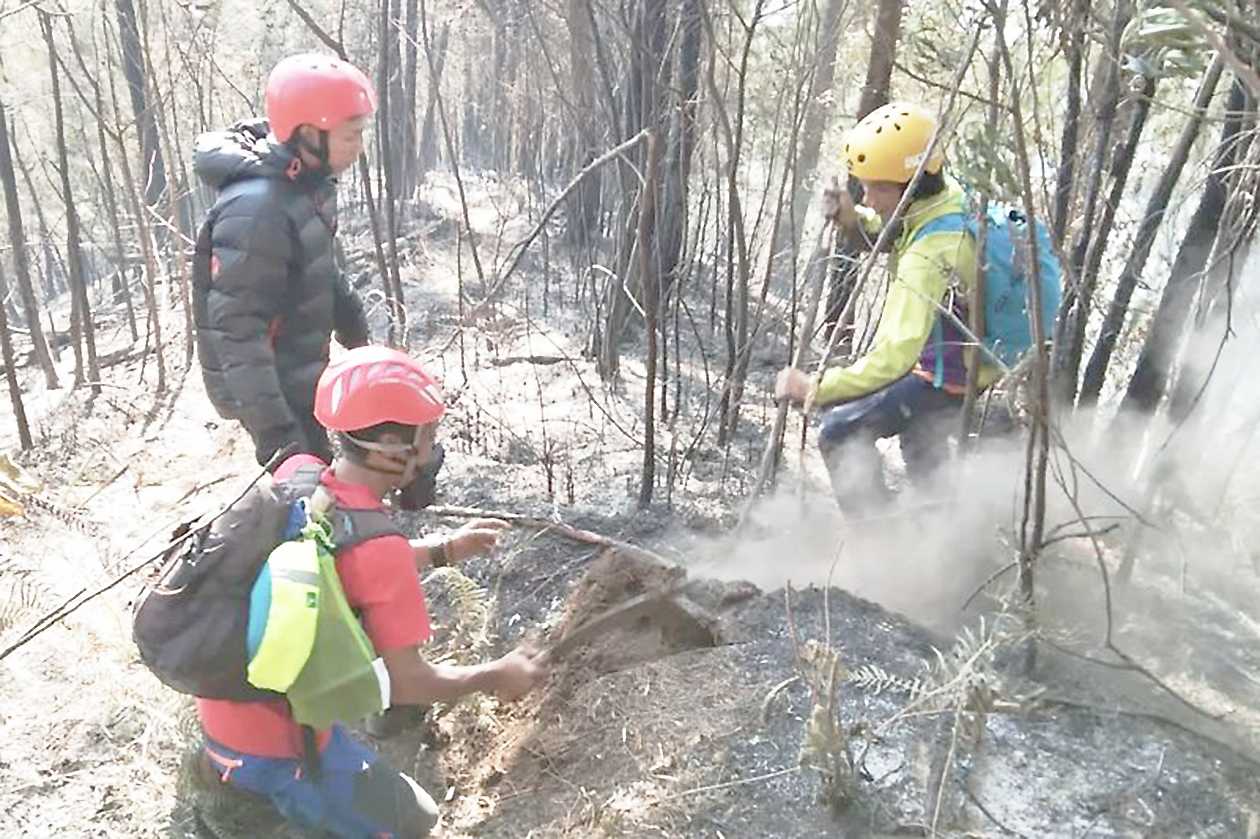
(927, 270)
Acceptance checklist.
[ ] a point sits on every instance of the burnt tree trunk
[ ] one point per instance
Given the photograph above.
(1074, 308)
(739, 268)
(387, 131)
(647, 76)
(1150, 378)
(1074, 333)
(818, 113)
(671, 214)
(122, 292)
(135, 195)
(52, 282)
(393, 90)
(1073, 32)
(843, 279)
(650, 281)
(82, 308)
(582, 210)
(429, 146)
(1156, 207)
(411, 82)
(672, 210)
(21, 260)
(10, 374)
(154, 168)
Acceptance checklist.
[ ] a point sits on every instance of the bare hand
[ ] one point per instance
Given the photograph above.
(793, 385)
(476, 538)
(838, 207)
(518, 672)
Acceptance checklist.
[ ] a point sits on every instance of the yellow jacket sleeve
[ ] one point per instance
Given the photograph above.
(905, 324)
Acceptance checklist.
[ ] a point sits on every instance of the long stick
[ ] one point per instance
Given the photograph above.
(577, 534)
(815, 278)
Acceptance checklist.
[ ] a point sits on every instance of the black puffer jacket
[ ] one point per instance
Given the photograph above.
(267, 292)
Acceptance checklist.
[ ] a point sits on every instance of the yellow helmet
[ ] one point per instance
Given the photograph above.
(889, 142)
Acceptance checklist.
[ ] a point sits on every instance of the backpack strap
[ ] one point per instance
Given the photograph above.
(350, 526)
(353, 527)
(947, 223)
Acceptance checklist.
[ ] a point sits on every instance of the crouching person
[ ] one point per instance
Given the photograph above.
(328, 640)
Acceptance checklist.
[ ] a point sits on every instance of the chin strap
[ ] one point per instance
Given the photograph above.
(399, 452)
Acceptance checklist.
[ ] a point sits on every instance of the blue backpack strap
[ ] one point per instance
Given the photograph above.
(948, 223)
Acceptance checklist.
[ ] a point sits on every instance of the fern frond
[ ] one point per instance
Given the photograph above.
(877, 680)
(69, 516)
(470, 602)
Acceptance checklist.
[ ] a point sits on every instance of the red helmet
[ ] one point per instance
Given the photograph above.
(318, 90)
(370, 385)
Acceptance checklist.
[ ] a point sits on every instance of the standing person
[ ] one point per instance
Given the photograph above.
(267, 291)
(384, 408)
(912, 381)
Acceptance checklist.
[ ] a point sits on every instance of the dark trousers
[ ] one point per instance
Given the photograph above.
(267, 441)
(910, 408)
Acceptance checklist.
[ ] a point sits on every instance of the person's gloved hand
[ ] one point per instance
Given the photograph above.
(422, 491)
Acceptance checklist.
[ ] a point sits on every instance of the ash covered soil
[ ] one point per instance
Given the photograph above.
(760, 710)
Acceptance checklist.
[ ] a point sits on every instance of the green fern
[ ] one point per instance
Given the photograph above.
(470, 603)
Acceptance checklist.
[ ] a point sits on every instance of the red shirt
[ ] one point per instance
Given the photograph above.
(380, 581)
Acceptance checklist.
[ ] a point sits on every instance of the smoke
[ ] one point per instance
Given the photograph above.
(1177, 497)
(922, 554)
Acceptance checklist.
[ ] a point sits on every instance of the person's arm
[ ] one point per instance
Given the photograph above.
(476, 538)
(905, 324)
(251, 248)
(380, 581)
(415, 681)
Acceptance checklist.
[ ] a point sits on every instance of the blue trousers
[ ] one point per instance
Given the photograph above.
(356, 795)
(921, 415)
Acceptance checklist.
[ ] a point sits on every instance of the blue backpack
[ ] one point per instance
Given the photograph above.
(1007, 325)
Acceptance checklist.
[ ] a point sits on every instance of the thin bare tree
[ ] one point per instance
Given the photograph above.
(21, 260)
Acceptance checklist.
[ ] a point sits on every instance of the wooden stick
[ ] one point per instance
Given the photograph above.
(816, 274)
(577, 534)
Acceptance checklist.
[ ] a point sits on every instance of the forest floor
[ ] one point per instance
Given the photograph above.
(710, 722)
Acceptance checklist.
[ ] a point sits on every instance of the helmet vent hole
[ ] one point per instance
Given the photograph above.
(879, 129)
(861, 158)
(896, 126)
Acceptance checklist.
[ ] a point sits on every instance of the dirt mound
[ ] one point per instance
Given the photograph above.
(624, 614)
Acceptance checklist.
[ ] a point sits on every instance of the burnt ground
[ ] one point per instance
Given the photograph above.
(653, 729)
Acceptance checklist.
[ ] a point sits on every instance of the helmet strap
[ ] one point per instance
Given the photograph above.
(397, 452)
